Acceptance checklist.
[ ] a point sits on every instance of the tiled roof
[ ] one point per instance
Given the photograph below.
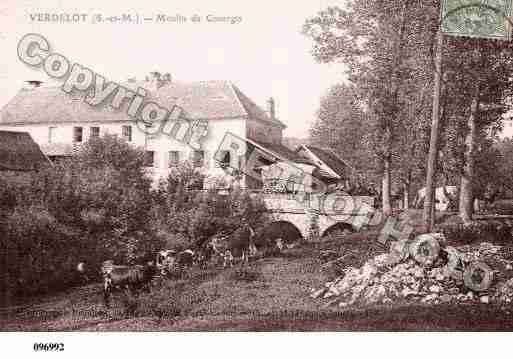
(57, 149)
(207, 100)
(253, 110)
(331, 160)
(19, 152)
(284, 152)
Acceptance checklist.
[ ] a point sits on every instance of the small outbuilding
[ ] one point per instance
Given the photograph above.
(20, 156)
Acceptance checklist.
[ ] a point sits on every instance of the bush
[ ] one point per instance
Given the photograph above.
(199, 215)
(94, 207)
(478, 231)
(245, 274)
(39, 254)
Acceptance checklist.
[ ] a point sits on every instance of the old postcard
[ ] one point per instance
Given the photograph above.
(236, 166)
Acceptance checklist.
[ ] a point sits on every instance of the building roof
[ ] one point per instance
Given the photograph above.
(335, 163)
(283, 152)
(208, 100)
(19, 152)
(57, 149)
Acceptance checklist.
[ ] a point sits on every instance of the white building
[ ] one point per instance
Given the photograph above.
(58, 122)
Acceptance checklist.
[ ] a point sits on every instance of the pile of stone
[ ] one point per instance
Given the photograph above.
(424, 271)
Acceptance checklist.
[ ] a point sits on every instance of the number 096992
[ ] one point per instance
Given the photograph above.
(48, 347)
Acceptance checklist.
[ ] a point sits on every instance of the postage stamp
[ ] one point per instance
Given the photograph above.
(477, 18)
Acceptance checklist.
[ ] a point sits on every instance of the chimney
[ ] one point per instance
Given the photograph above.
(167, 77)
(158, 80)
(32, 84)
(271, 108)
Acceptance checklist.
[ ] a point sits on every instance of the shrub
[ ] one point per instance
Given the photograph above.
(245, 274)
(94, 207)
(477, 231)
(198, 215)
(39, 254)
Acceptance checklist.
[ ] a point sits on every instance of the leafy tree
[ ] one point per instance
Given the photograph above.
(341, 126)
(383, 45)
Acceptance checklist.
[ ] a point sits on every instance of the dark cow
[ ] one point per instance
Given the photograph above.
(185, 259)
(129, 278)
(238, 245)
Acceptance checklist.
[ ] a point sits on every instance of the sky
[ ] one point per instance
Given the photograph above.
(264, 54)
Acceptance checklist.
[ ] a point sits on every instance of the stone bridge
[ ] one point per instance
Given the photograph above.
(315, 215)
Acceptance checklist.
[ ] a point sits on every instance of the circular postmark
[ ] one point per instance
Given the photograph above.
(473, 18)
(485, 18)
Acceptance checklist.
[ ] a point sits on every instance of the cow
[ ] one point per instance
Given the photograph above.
(240, 244)
(279, 244)
(165, 261)
(203, 255)
(129, 278)
(185, 259)
(445, 197)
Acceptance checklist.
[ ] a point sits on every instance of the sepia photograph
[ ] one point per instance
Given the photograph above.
(326, 166)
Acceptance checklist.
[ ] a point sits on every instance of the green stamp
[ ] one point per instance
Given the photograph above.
(477, 18)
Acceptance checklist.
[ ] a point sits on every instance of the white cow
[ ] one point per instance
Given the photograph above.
(441, 200)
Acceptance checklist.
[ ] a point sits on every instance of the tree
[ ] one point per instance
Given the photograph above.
(341, 126)
(478, 73)
(104, 192)
(381, 43)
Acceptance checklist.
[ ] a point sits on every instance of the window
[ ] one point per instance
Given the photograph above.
(77, 134)
(94, 132)
(198, 158)
(174, 158)
(51, 134)
(224, 159)
(149, 158)
(127, 133)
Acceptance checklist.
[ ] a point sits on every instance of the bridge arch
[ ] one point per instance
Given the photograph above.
(284, 229)
(343, 227)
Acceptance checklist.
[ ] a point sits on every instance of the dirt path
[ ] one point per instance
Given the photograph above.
(269, 295)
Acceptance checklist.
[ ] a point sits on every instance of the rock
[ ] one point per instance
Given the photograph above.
(381, 261)
(375, 294)
(408, 292)
(445, 298)
(461, 297)
(316, 294)
(418, 273)
(434, 289)
(430, 297)
(400, 249)
(453, 290)
(392, 276)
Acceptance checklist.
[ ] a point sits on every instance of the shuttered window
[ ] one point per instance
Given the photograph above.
(149, 158)
(94, 132)
(77, 134)
(51, 134)
(198, 158)
(127, 133)
(174, 158)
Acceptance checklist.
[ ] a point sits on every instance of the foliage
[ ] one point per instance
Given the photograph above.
(197, 215)
(387, 50)
(340, 126)
(38, 253)
(94, 207)
(476, 231)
